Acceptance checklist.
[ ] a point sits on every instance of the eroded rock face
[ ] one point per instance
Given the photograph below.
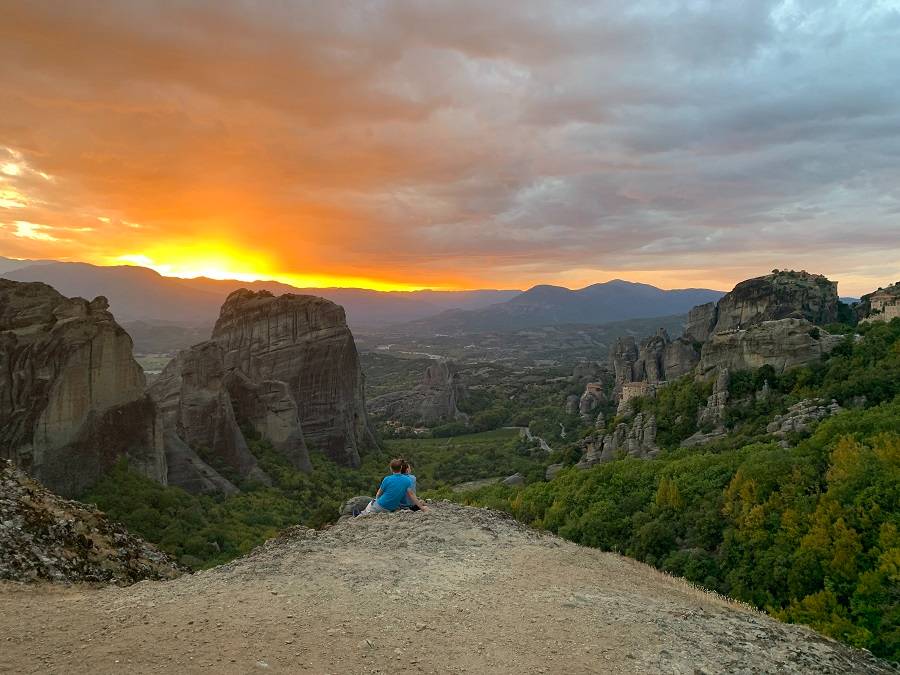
(782, 344)
(197, 415)
(72, 399)
(303, 341)
(432, 402)
(637, 439)
(780, 295)
(801, 416)
(286, 367)
(657, 359)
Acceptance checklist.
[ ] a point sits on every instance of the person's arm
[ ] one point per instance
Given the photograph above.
(378, 494)
(415, 500)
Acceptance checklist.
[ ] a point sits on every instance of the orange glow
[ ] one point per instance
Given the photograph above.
(219, 261)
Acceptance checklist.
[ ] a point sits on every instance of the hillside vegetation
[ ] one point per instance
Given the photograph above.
(808, 532)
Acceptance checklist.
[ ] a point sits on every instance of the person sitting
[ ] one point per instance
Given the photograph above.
(393, 489)
(406, 503)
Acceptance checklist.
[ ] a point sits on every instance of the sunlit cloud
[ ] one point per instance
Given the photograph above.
(457, 144)
(11, 198)
(27, 230)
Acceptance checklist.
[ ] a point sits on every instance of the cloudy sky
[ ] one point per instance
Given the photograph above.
(456, 144)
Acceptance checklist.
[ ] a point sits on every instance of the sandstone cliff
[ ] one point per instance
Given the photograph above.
(780, 295)
(286, 367)
(304, 342)
(432, 402)
(782, 344)
(72, 398)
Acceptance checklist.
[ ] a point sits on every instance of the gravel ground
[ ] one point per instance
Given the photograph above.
(454, 590)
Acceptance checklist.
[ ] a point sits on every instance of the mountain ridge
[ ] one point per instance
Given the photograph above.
(139, 293)
(548, 305)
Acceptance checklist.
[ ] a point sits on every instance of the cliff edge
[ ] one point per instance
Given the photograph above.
(456, 589)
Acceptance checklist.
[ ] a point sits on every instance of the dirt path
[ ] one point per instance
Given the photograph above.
(452, 591)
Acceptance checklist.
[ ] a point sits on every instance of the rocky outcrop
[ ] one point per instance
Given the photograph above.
(880, 305)
(432, 402)
(801, 416)
(594, 396)
(782, 344)
(196, 412)
(658, 359)
(780, 295)
(284, 367)
(304, 342)
(714, 413)
(701, 322)
(72, 399)
(637, 439)
(46, 538)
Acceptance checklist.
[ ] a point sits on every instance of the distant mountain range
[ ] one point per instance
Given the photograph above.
(168, 309)
(141, 294)
(615, 300)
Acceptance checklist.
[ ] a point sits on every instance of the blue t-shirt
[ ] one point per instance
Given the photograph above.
(393, 488)
(406, 501)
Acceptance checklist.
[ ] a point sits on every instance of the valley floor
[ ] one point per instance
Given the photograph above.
(455, 590)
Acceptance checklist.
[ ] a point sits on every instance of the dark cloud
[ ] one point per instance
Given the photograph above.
(460, 143)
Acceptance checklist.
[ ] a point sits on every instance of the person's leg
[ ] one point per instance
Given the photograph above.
(372, 508)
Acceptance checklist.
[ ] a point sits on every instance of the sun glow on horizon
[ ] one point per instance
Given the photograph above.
(220, 263)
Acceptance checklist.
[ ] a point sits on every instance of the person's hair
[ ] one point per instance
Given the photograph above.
(397, 465)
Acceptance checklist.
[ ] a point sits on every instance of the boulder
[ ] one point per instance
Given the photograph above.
(355, 505)
(553, 470)
(72, 399)
(515, 480)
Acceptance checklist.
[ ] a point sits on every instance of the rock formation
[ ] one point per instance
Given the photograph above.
(594, 395)
(710, 418)
(800, 416)
(72, 399)
(658, 359)
(197, 415)
(782, 344)
(768, 320)
(285, 367)
(46, 538)
(637, 439)
(780, 295)
(432, 402)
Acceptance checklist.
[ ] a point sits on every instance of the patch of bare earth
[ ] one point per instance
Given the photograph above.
(455, 590)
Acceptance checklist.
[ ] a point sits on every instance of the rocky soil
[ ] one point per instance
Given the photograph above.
(45, 537)
(448, 591)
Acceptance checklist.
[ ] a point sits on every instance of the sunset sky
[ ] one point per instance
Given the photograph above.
(455, 144)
